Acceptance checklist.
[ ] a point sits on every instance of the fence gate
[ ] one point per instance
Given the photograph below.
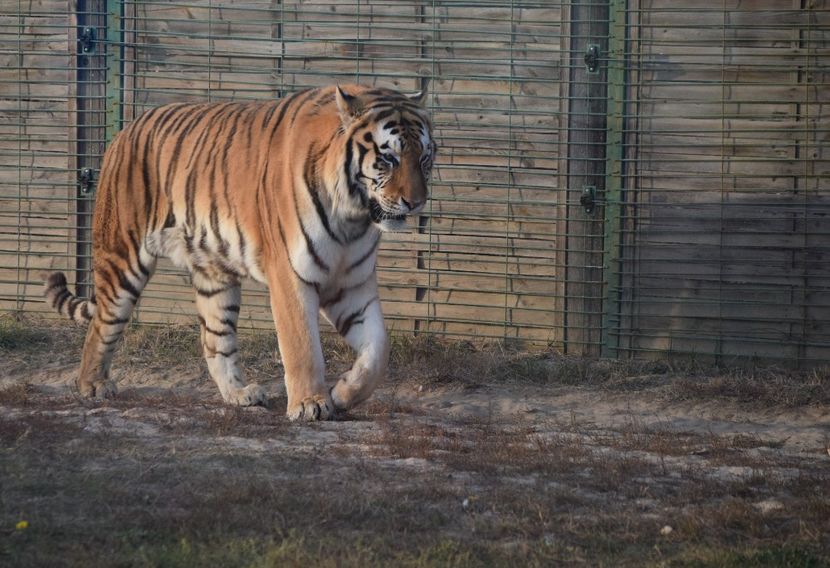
(622, 177)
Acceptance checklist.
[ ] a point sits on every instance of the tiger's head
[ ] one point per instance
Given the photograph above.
(389, 153)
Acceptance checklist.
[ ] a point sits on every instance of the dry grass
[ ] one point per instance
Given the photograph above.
(176, 479)
(436, 363)
(433, 363)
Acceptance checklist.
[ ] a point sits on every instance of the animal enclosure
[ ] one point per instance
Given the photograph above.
(624, 178)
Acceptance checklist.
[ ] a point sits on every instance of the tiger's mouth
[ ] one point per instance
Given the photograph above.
(379, 215)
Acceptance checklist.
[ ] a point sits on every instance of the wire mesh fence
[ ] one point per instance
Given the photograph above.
(619, 177)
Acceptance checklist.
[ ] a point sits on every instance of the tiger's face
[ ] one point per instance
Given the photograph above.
(392, 155)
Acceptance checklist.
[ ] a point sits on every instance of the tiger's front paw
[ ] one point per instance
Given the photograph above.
(250, 395)
(312, 408)
(102, 388)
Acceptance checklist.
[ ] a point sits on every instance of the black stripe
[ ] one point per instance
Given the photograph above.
(203, 239)
(361, 155)
(149, 195)
(311, 182)
(143, 269)
(300, 102)
(158, 133)
(231, 308)
(352, 320)
(223, 161)
(210, 293)
(284, 108)
(226, 353)
(324, 99)
(170, 220)
(383, 115)
(215, 150)
(357, 236)
(308, 242)
(361, 284)
(363, 258)
(229, 322)
(219, 333)
(347, 166)
(73, 307)
(268, 114)
(108, 293)
(290, 262)
(242, 242)
(133, 135)
(148, 140)
(166, 135)
(186, 127)
(214, 218)
(110, 341)
(354, 187)
(113, 321)
(190, 197)
(56, 280)
(134, 240)
(334, 299)
(208, 117)
(123, 281)
(188, 242)
(193, 172)
(61, 299)
(85, 311)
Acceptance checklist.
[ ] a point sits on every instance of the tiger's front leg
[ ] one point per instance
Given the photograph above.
(295, 305)
(358, 318)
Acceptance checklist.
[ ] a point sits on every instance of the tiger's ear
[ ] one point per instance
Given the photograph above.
(348, 105)
(419, 96)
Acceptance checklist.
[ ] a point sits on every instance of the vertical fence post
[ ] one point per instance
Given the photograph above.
(115, 68)
(89, 128)
(587, 89)
(98, 113)
(614, 143)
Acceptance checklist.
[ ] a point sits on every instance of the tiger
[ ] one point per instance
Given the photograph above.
(294, 193)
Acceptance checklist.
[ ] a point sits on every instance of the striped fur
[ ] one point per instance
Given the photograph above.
(292, 193)
(65, 302)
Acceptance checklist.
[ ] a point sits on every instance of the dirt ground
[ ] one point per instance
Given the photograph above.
(467, 456)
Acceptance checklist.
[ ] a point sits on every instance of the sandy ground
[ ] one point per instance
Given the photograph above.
(423, 474)
(800, 430)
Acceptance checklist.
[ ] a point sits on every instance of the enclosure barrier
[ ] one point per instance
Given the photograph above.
(619, 178)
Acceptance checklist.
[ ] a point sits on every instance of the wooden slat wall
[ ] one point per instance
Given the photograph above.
(727, 203)
(483, 260)
(37, 161)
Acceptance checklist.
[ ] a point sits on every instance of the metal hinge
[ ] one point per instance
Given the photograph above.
(86, 39)
(592, 58)
(588, 199)
(86, 179)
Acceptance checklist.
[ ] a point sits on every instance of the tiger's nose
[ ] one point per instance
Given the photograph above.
(412, 207)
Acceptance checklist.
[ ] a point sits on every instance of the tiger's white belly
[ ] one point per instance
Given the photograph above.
(335, 266)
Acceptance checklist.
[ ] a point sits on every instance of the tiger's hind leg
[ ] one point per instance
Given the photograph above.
(218, 306)
(118, 284)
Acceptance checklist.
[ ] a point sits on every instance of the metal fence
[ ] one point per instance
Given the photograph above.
(615, 177)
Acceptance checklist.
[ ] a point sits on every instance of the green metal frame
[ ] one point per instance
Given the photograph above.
(115, 75)
(614, 144)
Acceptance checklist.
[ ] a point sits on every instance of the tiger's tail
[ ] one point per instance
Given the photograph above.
(66, 303)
